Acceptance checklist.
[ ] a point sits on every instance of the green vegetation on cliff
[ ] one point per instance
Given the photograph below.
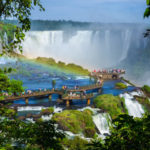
(70, 68)
(114, 105)
(120, 85)
(76, 122)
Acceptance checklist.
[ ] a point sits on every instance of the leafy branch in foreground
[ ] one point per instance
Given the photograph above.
(20, 10)
(128, 133)
(146, 15)
(39, 135)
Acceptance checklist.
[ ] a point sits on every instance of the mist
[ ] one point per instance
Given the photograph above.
(94, 48)
(92, 45)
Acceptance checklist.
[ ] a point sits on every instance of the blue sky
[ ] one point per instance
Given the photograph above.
(93, 10)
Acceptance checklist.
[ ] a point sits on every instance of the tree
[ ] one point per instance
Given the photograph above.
(4, 82)
(147, 11)
(47, 136)
(53, 83)
(20, 10)
(12, 86)
(41, 134)
(16, 86)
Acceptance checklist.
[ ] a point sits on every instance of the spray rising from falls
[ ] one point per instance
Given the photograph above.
(92, 49)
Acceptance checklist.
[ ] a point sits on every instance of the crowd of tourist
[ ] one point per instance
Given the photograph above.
(109, 71)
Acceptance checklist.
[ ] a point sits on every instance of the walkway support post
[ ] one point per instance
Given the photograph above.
(88, 101)
(67, 103)
(50, 97)
(27, 100)
(99, 90)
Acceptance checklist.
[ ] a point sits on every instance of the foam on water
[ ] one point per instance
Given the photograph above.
(30, 108)
(57, 109)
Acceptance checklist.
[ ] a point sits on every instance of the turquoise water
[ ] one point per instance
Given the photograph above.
(108, 88)
(41, 78)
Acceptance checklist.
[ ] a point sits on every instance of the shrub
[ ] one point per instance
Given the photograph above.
(47, 111)
(120, 85)
(146, 88)
(114, 105)
(75, 144)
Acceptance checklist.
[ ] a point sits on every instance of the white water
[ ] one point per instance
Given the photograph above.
(102, 123)
(101, 120)
(91, 49)
(38, 108)
(46, 117)
(134, 107)
(127, 39)
(57, 109)
(30, 108)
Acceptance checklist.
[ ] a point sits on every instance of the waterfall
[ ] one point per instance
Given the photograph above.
(5, 60)
(107, 42)
(101, 121)
(91, 49)
(126, 44)
(134, 108)
(5, 39)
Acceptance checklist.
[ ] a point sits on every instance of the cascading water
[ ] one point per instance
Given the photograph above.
(134, 108)
(5, 39)
(126, 44)
(101, 121)
(91, 49)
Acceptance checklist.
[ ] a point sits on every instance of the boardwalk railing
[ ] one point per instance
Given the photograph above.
(34, 94)
(49, 92)
(85, 88)
(78, 96)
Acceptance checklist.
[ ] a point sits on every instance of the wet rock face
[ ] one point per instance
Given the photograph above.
(29, 116)
(89, 132)
(45, 112)
(22, 118)
(36, 116)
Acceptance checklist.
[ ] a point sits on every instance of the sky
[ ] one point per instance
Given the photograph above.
(109, 11)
